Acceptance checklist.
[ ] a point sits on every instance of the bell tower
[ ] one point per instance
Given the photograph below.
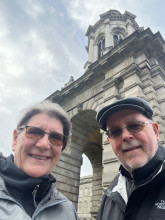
(110, 30)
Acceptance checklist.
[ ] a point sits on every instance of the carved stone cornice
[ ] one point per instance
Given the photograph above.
(153, 44)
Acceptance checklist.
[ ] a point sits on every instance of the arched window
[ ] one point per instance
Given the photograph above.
(101, 46)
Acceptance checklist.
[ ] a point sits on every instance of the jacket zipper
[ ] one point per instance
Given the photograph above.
(34, 193)
(132, 184)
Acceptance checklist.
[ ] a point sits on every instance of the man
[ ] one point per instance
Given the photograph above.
(138, 191)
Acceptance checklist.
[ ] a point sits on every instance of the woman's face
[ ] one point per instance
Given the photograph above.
(37, 158)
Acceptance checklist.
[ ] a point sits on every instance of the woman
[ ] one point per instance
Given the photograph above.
(27, 189)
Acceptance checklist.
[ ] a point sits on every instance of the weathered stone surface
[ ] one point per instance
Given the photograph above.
(134, 67)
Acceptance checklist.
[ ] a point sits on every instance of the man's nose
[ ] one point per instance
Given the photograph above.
(126, 135)
(43, 142)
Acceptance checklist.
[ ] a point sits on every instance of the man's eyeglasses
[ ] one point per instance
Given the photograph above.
(35, 134)
(133, 127)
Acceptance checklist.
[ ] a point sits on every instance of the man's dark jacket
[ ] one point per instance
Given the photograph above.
(147, 200)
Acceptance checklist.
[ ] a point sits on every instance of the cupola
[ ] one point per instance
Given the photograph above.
(109, 31)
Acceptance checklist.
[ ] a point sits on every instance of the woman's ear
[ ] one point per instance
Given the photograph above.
(14, 142)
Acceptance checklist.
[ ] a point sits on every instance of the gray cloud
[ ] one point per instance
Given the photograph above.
(36, 57)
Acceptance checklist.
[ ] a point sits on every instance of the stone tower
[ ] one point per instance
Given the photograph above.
(110, 30)
(123, 60)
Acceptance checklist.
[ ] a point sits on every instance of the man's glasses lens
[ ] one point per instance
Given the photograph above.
(132, 127)
(35, 133)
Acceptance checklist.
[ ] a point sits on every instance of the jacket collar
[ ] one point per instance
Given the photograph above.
(148, 171)
(20, 186)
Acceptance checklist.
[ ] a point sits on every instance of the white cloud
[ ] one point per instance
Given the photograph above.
(92, 9)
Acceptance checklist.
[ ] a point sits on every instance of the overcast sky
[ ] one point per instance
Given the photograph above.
(42, 44)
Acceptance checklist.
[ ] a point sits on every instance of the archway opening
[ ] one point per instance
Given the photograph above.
(86, 139)
(85, 189)
(86, 167)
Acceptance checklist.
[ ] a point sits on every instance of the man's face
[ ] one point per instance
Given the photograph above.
(37, 158)
(133, 150)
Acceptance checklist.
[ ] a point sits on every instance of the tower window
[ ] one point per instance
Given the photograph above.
(101, 46)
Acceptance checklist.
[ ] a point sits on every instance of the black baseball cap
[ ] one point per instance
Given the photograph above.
(136, 103)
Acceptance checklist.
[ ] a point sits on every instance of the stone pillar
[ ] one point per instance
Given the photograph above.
(111, 87)
(94, 153)
(90, 53)
(109, 160)
(130, 28)
(107, 34)
(111, 38)
(97, 184)
(67, 174)
(110, 163)
(95, 52)
(159, 86)
(132, 85)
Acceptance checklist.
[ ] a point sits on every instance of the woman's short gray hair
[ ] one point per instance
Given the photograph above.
(51, 109)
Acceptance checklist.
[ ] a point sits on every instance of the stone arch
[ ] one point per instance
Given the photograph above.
(92, 104)
(118, 29)
(99, 45)
(120, 32)
(86, 138)
(99, 37)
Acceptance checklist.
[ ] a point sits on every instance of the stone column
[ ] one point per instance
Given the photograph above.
(132, 84)
(95, 52)
(159, 109)
(130, 28)
(111, 38)
(67, 174)
(90, 53)
(94, 153)
(110, 163)
(107, 33)
(109, 160)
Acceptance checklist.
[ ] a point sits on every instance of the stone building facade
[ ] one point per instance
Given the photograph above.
(123, 60)
(85, 198)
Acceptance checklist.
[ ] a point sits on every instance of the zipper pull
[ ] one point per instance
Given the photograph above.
(35, 190)
(132, 184)
(34, 193)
